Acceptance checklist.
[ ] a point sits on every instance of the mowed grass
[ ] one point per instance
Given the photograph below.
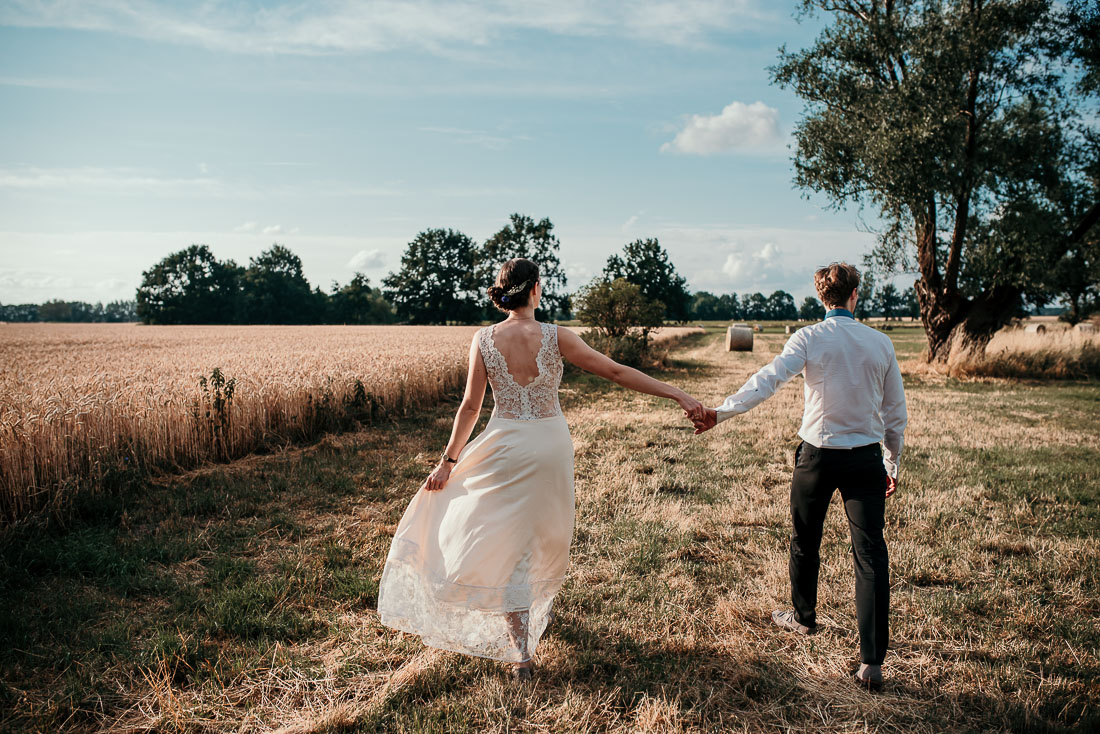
(240, 597)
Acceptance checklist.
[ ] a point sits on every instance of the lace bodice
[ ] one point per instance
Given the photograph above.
(537, 399)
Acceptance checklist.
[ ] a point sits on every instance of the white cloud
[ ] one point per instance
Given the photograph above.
(737, 128)
(247, 227)
(747, 266)
(30, 280)
(116, 179)
(111, 284)
(107, 265)
(134, 181)
(277, 229)
(347, 26)
(365, 260)
(745, 260)
(631, 221)
(577, 274)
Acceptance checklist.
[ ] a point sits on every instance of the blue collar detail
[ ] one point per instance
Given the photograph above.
(839, 312)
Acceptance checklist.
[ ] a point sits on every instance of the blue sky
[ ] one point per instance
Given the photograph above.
(134, 128)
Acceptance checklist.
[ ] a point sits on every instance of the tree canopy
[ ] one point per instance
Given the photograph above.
(617, 307)
(536, 241)
(957, 123)
(645, 264)
(189, 287)
(193, 287)
(275, 291)
(438, 280)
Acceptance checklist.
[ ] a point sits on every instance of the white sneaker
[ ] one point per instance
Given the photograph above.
(789, 621)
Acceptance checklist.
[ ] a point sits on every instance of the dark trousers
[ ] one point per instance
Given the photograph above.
(861, 478)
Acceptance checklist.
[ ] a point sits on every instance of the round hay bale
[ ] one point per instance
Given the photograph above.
(758, 327)
(1085, 328)
(738, 339)
(1036, 328)
(792, 329)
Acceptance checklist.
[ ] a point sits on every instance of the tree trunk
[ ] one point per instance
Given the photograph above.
(959, 328)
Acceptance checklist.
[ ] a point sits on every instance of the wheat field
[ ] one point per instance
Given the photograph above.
(94, 405)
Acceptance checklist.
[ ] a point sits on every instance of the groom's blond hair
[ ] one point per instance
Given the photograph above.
(835, 283)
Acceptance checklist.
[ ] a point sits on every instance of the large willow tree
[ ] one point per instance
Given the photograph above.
(959, 124)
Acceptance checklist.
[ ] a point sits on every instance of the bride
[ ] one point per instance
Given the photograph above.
(484, 545)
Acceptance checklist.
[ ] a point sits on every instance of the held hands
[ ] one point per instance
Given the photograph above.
(707, 421)
(437, 480)
(693, 409)
(891, 485)
(702, 417)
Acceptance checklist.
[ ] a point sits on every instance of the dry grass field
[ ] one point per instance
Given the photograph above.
(1060, 352)
(92, 406)
(239, 597)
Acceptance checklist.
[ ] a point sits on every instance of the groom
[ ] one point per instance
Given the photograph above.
(853, 401)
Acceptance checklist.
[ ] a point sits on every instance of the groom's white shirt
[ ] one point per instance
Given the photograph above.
(853, 391)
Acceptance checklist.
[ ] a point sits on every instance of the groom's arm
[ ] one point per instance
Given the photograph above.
(761, 386)
(894, 418)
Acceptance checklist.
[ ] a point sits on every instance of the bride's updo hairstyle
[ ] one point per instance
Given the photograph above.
(515, 283)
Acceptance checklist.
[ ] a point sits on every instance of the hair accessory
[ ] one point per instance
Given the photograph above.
(504, 299)
(517, 289)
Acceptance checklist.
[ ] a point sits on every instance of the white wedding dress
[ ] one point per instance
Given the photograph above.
(474, 567)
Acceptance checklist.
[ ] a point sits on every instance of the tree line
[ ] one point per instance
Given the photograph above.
(359, 303)
(193, 287)
(442, 278)
(115, 312)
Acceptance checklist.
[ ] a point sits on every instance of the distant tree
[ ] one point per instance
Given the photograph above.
(438, 280)
(274, 290)
(1077, 278)
(189, 287)
(19, 312)
(811, 309)
(754, 306)
(617, 307)
(729, 308)
(55, 311)
(359, 303)
(911, 306)
(536, 241)
(781, 307)
(705, 306)
(865, 300)
(956, 122)
(120, 312)
(645, 264)
(889, 302)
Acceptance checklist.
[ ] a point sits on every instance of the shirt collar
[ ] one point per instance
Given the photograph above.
(839, 312)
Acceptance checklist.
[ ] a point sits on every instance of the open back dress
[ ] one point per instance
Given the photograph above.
(474, 567)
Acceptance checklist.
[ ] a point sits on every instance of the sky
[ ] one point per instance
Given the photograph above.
(134, 128)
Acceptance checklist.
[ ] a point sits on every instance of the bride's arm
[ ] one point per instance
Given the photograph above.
(577, 351)
(465, 419)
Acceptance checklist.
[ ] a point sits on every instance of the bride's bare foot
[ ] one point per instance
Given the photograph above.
(521, 672)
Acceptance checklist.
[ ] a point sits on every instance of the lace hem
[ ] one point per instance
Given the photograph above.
(500, 623)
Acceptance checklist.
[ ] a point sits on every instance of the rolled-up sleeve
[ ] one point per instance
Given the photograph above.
(894, 418)
(761, 386)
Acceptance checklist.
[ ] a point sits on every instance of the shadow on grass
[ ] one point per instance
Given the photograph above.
(201, 575)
